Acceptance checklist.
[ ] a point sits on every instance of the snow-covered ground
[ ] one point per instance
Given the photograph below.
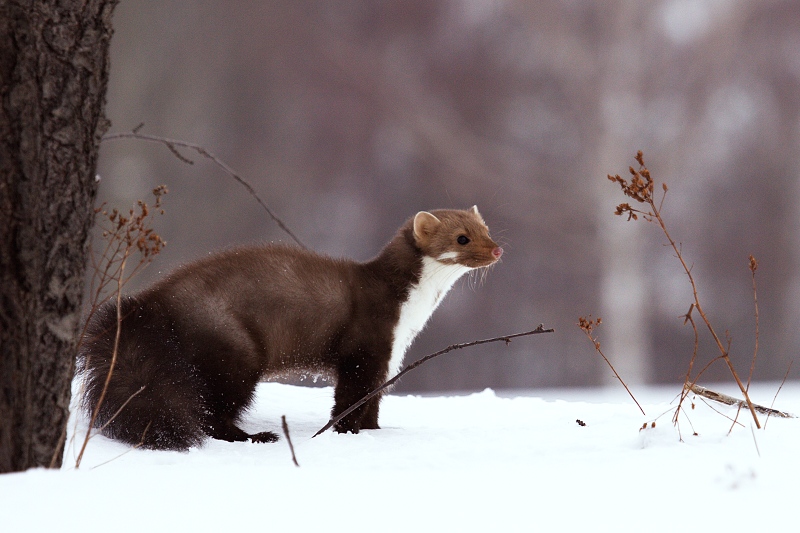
(476, 462)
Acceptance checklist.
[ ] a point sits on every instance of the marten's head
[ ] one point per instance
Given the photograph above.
(452, 236)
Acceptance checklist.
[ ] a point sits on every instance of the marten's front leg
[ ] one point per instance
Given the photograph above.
(370, 419)
(357, 376)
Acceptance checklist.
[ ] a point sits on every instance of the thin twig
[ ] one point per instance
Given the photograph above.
(121, 407)
(687, 379)
(786, 375)
(412, 366)
(285, 427)
(753, 267)
(96, 410)
(723, 415)
(173, 145)
(755, 441)
(129, 450)
(588, 325)
(59, 450)
(677, 422)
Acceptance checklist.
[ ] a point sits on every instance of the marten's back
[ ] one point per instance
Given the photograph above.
(278, 302)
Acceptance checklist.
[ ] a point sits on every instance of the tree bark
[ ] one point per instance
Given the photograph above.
(54, 67)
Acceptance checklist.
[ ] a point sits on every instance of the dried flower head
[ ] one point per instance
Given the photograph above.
(753, 264)
(587, 324)
(640, 188)
(124, 235)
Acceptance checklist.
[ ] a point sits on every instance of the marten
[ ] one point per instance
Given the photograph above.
(191, 349)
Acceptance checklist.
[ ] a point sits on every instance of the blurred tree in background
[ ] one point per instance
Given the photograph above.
(349, 117)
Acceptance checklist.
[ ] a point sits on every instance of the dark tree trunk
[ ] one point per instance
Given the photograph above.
(53, 77)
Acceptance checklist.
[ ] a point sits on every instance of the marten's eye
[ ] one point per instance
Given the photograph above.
(462, 240)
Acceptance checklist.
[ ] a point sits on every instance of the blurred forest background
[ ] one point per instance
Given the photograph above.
(348, 117)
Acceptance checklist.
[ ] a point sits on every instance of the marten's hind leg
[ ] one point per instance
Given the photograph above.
(232, 373)
(228, 431)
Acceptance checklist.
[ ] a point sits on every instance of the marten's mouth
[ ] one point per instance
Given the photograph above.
(472, 260)
(481, 262)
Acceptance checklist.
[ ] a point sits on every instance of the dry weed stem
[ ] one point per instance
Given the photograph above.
(640, 188)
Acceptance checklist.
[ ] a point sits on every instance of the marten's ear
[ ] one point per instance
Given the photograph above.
(474, 211)
(425, 225)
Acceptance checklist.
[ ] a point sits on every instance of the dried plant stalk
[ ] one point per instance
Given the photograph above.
(125, 236)
(753, 266)
(588, 326)
(641, 189)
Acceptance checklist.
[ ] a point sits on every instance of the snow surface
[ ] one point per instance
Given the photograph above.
(477, 462)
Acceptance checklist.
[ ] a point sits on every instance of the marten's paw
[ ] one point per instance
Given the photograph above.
(346, 428)
(264, 436)
(354, 429)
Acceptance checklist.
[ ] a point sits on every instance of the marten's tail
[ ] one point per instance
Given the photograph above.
(154, 396)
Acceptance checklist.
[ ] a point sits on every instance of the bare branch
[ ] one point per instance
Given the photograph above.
(173, 146)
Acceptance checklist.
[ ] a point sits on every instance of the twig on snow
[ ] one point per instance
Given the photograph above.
(285, 427)
(412, 366)
(730, 400)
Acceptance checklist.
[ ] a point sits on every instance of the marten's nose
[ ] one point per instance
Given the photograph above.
(497, 252)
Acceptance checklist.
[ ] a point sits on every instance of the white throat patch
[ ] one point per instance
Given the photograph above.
(435, 280)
